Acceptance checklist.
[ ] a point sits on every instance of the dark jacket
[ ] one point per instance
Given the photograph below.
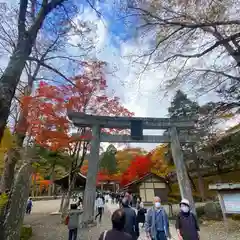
(115, 235)
(187, 225)
(141, 215)
(131, 225)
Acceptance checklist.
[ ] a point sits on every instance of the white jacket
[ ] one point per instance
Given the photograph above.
(99, 203)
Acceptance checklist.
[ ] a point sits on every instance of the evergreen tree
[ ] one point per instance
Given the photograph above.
(182, 107)
(108, 160)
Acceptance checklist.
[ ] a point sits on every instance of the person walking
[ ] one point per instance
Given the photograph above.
(29, 206)
(117, 231)
(157, 224)
(186, 223)
(72, 221)
(131, 225)
(140, 212)
(100, 207)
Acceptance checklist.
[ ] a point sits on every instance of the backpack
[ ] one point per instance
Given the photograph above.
(67, 220)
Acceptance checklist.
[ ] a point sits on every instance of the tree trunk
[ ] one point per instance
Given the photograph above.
(71, 183)
(13, 154)
(191, 181)
(10, 78)
(66, 204)
(90, 188)
(17, 204)
(10, 160)
(50, 187)
(62, 201)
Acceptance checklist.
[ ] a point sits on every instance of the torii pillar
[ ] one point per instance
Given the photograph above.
(93, 163)
(182, 176)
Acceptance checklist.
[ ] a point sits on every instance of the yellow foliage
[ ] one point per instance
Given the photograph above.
(159, 153)
(7, 141)
(160, 164)
(3, 201)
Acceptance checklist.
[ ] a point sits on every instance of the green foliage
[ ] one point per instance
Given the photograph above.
(200, 210)
(3, 201)
(108, 161)
(229, 177)
(212, 211)
(182, 107)
(49, 160)
(26, 232)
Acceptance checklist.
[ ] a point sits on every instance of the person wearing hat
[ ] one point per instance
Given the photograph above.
(186, 223)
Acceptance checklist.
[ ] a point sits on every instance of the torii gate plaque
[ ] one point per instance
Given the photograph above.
(98, 122)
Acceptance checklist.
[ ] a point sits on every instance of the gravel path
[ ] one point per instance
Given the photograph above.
(49, 227)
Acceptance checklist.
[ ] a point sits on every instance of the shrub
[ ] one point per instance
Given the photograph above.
(212, 211)
(235, 217)
(26, 232)
(200, 211)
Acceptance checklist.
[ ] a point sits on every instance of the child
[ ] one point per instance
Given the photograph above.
(72, 221)
(186, 224)
(29, 206)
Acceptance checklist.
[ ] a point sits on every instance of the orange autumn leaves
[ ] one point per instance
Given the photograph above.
(47, 108)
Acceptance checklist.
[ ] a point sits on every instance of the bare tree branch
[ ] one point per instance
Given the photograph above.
(45, 9)
(52, 69)
(183, 23)
(22, 18)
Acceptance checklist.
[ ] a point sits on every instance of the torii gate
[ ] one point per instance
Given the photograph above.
(136, 124)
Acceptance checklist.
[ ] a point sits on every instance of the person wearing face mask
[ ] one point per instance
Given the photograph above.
(186, 223)
(157, 224)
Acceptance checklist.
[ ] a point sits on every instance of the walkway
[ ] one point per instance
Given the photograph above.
(48, 227)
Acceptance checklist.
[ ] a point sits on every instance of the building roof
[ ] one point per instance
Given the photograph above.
(80, 181)
(148, 175)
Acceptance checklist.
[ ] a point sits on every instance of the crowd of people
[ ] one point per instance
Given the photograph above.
(126, 219)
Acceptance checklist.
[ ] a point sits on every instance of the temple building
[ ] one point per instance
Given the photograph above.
(149, 186)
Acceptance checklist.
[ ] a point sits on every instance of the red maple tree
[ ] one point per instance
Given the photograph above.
(49, 105)
(139, 167)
